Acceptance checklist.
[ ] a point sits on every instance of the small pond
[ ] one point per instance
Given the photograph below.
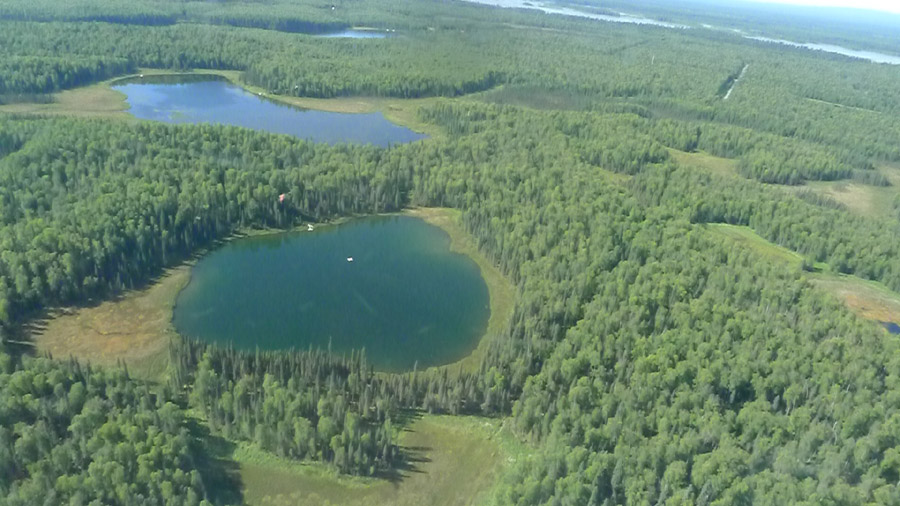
(208, 99)
(388, 284)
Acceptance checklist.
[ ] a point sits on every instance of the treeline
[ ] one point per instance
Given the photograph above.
(312, 16)
(14, 134)
(399, 76)
(110, 11)
(315, 405)
(281, 24)
(70, 434)
(304, 406)
(286, 16)
(618, 143)
(47, 74)
(775, 159)
(766, 157)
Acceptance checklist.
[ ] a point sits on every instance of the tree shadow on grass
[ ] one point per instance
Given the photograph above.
(406, 417)
(408, 463)
(220, 473)
(409, 458)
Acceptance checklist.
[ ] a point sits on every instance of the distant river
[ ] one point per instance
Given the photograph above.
(638, 20)
(566, 11)
(830, 48)
(388, 284)
(206, 99)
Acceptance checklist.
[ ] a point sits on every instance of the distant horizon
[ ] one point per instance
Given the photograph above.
(873, 5)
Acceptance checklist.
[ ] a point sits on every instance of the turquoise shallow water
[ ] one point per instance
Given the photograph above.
(204, 99)
(405, 297)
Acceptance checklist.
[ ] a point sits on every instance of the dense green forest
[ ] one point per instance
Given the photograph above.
(73, 435)
(633, 68)
(534, 236)
(646, 361)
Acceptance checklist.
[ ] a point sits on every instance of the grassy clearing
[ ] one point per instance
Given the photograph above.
(862, 199)
(452, 461)
(134, 328)
(97, 101)
(746, 237)
(616, 178)
(705, 161)
(841, 106)
(500, 290)
(534, 98)
(868, 299)
(892, 172)
(404, 112)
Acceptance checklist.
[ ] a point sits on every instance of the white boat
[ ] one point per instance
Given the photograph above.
(349, 259)
(309, 227)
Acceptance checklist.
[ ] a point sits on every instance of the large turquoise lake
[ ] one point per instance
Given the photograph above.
(404, 297)
(205, 99)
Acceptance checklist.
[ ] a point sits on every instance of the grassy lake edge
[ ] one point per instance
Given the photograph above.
(105, 333)
(101, 100)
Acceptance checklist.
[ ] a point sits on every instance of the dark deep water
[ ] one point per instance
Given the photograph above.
(205, 99)
(405, 297)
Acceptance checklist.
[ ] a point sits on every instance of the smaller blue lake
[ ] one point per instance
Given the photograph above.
(206, 99)
(891, 327)
(355, 34)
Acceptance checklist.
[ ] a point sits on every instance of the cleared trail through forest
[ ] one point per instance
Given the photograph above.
(736, 81)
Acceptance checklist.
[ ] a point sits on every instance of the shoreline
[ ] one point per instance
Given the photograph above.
(135, 326)
(100, 99)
